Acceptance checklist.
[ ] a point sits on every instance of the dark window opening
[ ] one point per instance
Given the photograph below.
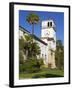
(50, 24)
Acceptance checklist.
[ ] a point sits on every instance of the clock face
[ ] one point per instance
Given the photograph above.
(47, 33)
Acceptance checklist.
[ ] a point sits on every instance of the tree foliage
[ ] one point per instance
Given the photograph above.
(30, 49)
(31, 46)
(32, 19)
(59, 54)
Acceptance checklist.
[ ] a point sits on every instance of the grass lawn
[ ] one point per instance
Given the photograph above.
(45, 73)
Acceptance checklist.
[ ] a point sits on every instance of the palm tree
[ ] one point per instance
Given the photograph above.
(32, 19)
(32, 47)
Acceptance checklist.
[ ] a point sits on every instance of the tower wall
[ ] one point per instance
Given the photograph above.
(48, 35)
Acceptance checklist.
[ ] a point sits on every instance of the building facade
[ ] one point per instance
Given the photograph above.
(47, 42)
(48, 35)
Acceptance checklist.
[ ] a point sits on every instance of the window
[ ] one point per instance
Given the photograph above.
(45, 57)
(50, 24)
(53, 41)
(42, 55)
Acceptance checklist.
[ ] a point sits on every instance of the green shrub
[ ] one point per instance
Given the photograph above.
(21, 68)
(40, 61)
(21, 59)
(30, 66)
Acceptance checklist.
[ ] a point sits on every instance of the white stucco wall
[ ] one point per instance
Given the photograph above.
(52, 45)
(44, 51)
(20, 34)
(48, 32)
(45, 23)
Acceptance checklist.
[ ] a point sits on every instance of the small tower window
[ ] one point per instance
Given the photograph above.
(50, 24)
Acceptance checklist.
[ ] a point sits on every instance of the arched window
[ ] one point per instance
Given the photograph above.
(48, 24)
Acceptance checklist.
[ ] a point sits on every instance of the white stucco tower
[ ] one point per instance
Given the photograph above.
(48, 35)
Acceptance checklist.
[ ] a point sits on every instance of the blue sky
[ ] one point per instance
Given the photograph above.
(58, 17)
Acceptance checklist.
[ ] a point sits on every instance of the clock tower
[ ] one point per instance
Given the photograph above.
(48, 35)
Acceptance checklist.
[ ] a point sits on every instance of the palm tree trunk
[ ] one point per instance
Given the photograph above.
(33, 28)
(32, 34)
